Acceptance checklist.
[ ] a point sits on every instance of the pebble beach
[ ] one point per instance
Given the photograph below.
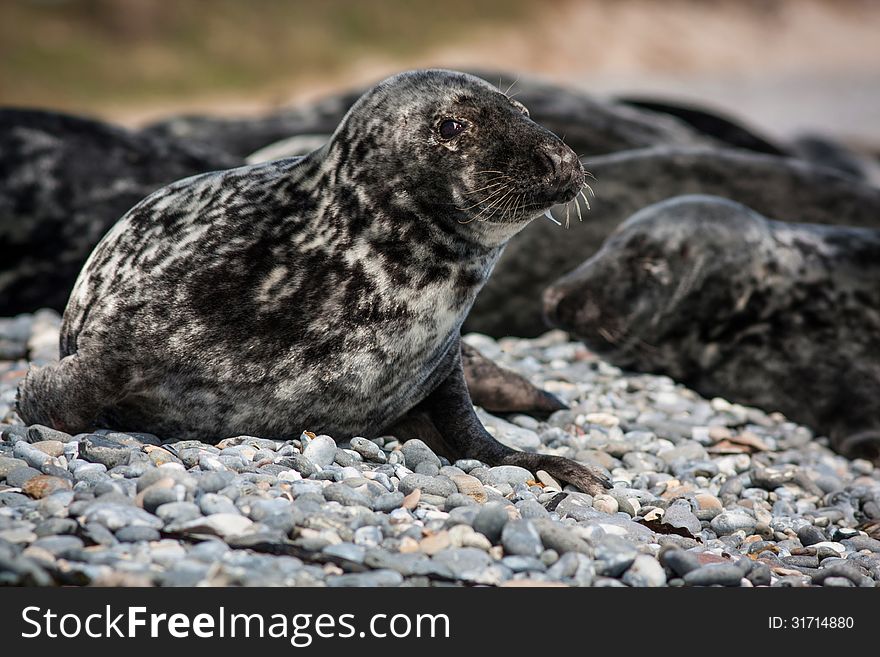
(706, 493)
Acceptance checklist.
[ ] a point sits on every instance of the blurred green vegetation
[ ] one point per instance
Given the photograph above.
(82, 54)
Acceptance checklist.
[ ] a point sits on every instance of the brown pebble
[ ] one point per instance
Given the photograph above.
(411, 501)
(50, 447)
(43, 485)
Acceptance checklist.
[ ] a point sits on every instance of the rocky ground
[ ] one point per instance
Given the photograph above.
(705, 493)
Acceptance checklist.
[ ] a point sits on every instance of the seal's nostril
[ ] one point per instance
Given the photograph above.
(553, 160)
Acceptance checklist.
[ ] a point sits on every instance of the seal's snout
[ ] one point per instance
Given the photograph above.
(565, 172)
(560, 306)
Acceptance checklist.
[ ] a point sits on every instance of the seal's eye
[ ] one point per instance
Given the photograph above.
(451, 128)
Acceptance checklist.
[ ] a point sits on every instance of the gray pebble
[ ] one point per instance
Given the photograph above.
(490, 520)
(521, 538)
(644, 571)
(715, 574)
(175, 512)
(680, 516)
(387, 502)
(614, 556)
(212, 482)
(155, 497)
(809, 535)
(368, 579)
(729, 522)
(99, 449)
(134, 534)
(415, 452)
(347, 551)
(861, 543)
(346, 496)
(321, 450)
(368, 449)
(679, 561)
(439, 485)
(509, 474)
(21, 475)
(211, 503)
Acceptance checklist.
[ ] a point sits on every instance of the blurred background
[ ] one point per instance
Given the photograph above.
(786, 66)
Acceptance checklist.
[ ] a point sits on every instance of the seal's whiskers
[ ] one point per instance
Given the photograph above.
(551, 217)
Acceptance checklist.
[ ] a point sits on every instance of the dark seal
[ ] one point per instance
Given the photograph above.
(322, 293)
(64, 180)
(776, 315)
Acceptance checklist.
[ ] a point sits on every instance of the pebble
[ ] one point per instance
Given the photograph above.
(644, 571)
(520, 537)
(605, 504)
(680, 516)
(178, 512)
(321, 451)
(8, 464)
(369, 450)
(490, 520)
(125, 508)
(470, 486)
(809, 535)
(440, 485)
(31, 455)
(509, 474)
(346, 496)
(219, 524)
(42, 486)
(370, 579)
(115, 516)
(561, 539)
(416, 452)
(135, 534)
(729, 522)
(103, 450)
(857, 543)
(680, 562)
(716, 574)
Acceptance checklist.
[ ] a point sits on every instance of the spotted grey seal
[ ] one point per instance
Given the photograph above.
(778, 315)
(64, 180)
(323, 293)
(785, 189)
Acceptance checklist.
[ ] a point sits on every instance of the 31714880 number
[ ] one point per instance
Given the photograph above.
(811, 623)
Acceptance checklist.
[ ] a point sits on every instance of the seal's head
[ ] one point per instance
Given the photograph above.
(669, 277)
(452, 147)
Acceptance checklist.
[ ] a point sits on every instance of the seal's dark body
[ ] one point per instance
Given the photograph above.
(777, 315)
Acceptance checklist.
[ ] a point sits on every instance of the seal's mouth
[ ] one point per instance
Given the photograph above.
(503, 199)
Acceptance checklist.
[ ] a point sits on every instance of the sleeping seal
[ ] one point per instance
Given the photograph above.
(777, 315)
(322, 293)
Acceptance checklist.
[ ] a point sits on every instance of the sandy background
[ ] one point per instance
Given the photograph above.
(785, 66)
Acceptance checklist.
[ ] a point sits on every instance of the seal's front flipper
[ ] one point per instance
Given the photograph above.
(499, 390)
(458, 433)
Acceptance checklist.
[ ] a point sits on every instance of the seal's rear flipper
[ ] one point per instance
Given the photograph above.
(446, 420)
(499, 390)
(864, 445)
(62, 395)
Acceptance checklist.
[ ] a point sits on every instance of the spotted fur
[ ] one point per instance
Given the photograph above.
(322, 293)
